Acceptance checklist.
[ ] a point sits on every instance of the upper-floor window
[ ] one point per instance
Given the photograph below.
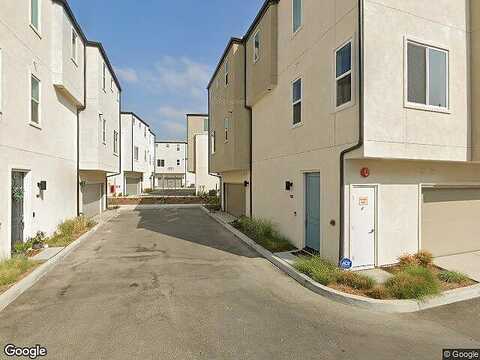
(35, 100)
(427, 76)
(145, 132)
(297, 14)
(111, 83)
(118, 95)
(115, 141)
(178, 147)
(104, 131)
(74, 46)
(145, 156)
(35, 14)
(104, 77)
(256, 47)
(226, 125)
(167, 146)
(226, 72)
(343, 75)
(178, 162)
(161, 163)
(212, 142)
(135, 153)
(297, 101)
(205, 124)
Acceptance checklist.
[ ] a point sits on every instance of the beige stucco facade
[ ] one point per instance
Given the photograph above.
(475, 76)
(196, 124)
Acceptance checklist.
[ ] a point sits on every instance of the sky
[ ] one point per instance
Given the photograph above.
(164, 52)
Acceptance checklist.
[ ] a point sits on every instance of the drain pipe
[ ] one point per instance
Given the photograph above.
(361, 129)
(250, 115)
(79, 110)
(119, 148)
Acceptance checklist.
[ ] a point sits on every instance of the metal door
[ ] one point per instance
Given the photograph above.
(312, 211)
(18, 190)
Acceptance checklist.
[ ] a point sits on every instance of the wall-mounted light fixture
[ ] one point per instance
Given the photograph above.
(288, 185)
(42, 185)
(246, 183)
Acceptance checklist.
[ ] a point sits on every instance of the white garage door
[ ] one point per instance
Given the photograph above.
(133, 186)
(451, 221)
(92, 199)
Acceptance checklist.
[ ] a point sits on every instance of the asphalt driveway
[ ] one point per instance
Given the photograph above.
(173, 284)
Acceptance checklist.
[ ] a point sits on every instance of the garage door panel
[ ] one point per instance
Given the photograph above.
(133, 186)
(92, 199)
(450, 221)
(235, 199)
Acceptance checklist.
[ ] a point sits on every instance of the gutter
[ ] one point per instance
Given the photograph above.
(79, 110)
(250, 115)
(361, 129)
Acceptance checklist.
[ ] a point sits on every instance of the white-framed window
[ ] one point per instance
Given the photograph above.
(297, 15)
(74, 46)
(427, 77)
(104, 130)
(178, 162)
(35, 7)
(104, 77)
(297, 94)
(115, 141)
(167, 146)
(161, 163)
(178, 147)
(226, 71)
(111, 83)
(205, 124)
(145, 132)
(145, 156)
(226, 126)
(256, 46)
(35, 93)
(213, 142)
(118, 95)
(135, 153)
(344, 75)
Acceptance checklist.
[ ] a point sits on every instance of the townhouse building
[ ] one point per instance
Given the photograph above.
(171, 164)
(364, 126)
(42, 92)
(99, 131)
(138, 157)
(197, 160)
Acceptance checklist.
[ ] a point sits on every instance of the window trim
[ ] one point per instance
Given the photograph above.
(226, 126)
(136, 153)
(256, 58)
(104, 130)
(428, 45)
(115, 142)
(352, 72)
(74, 51)
(30, 98)
(37, 30)
(296, 102)
(213, 142)
(226, 72)
(294, 32)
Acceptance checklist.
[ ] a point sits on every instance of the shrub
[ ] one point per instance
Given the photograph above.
(318, 269)
(355, 280)
(424, 258)
(453, 277)
(70, 230)
(12, 269)
(413, 282)
(408, 260)
(378, 292)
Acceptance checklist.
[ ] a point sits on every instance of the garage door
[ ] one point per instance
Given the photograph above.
(133, 186)
(235, 202)
(450, 221)
(92, 199)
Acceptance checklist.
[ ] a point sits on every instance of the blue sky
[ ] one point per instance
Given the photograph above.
(164, 52)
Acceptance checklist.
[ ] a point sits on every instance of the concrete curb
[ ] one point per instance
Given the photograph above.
(9, 296)
(386, 306)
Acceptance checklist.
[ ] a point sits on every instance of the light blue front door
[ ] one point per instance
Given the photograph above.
(312, 211)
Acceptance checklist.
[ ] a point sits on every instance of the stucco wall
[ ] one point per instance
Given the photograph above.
(195, 125)
(391, 129)
(475, 73)
(168, 152)
(203, 180)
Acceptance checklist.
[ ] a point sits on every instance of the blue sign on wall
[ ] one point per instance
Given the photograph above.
(346, 264)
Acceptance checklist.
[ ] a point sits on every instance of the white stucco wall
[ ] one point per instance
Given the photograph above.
(171, 152)
(204, 182)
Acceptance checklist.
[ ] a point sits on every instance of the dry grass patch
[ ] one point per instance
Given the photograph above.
(14, 269)
(70, 230)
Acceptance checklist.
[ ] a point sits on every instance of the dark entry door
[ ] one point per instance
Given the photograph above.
(312, 219)
(18, 189)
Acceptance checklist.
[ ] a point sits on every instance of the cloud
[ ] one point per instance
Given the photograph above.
(171, 112)
(128, 75)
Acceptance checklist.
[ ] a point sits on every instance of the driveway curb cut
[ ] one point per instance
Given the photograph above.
(386, 306)
(10, 295)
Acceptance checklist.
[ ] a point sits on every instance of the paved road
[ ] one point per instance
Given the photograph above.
(173, 284)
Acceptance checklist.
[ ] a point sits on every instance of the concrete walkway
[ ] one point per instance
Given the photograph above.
(172, 283)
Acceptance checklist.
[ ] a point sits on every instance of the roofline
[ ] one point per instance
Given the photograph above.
(259, 17)
(199, 115)
(138, 117)
(100, 47)
(71, 15)
(232, 41)
(170, 142)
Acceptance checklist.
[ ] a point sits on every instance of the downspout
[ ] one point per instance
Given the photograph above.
(79, 110)
(361, 129)
(210, 149)
(119, 148)
(250, 115)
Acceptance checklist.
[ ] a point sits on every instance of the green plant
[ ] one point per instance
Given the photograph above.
(12, 269)
(378, 292)
(453, 277)
(318, 269)
(424, 258)
(413, 282)
(355, 280)
(70, 230)
(407, 260)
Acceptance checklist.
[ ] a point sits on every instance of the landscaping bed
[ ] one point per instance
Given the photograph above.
(415, 277)
(264, 233)
(14, 270)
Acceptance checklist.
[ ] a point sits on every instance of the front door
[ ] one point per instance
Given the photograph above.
(18, 190)
(362, 226)
(312, 211)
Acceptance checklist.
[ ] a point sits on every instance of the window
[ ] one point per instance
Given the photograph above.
(178, 147)
(145, 132)
(115, 141)
(104, 130)
(136, 153)
(343, 75)
(427, 75)
(145, 156)
(297, 17)
(212, 142)
(205, 124)
(74, 46)
(226, 72)
(35, 14)
(297, 101)
(256, 47)
(161, 163)
(226, 129)
(118, 95)
(104, 77)
(35, 100)
(111, 83)
(168, 146)
(178, 162)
